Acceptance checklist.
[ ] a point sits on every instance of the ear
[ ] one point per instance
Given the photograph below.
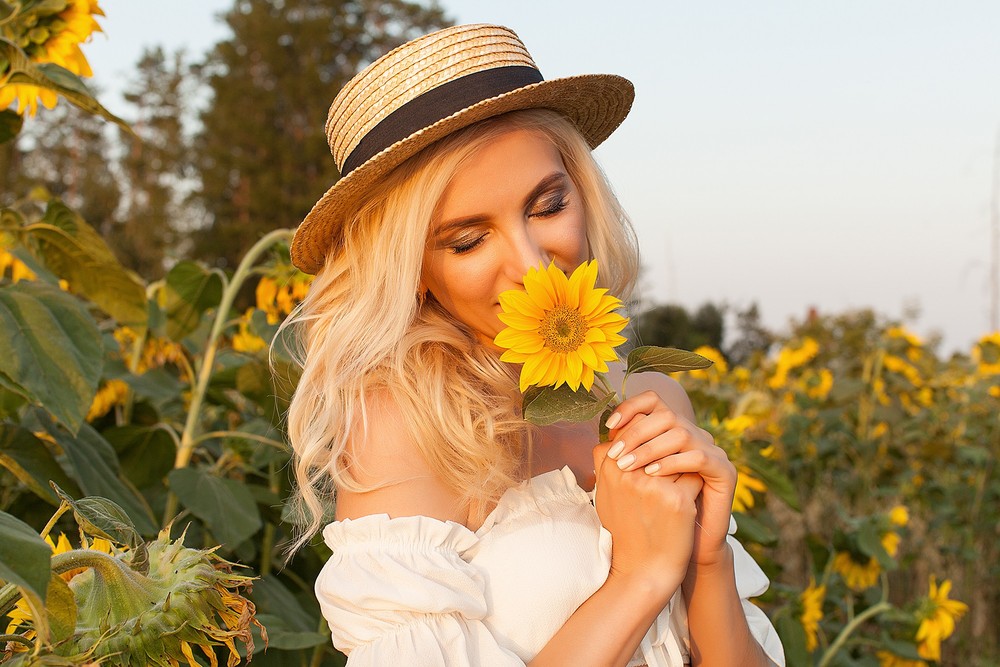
(421, 287)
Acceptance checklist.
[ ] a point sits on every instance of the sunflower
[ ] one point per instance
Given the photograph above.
(890, 659)
(938, 615)
(20, 618)
(812, 612)
(858, 575)
(746, 484)
(51, 37)
(561, 329)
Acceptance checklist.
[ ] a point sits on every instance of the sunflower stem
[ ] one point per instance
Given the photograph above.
(63, 508)
(850, 628)
(9, 595)
(18, 639)
(231, 288)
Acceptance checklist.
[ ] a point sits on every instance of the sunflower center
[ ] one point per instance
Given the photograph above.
(563, 329)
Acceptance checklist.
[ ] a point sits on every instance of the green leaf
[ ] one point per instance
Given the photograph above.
(280, 636)
(289, 625)
(10, 125)
(53, 77)
(793, 639)
(191, 290)
(101, 517)
(52, 349)
(225, 505)
(31, 462)
(60, 605)
(749, 529)
(546, 405)
(25, 558)
(95, 468)
(146, 454)
(74, 251)
(870, 543)
(663, 360)
(777, 482)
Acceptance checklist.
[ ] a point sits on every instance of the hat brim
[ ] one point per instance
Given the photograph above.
(595, 103)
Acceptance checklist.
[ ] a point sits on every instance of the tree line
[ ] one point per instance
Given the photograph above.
(229, 146)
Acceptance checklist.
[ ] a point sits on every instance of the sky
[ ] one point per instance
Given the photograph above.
(799, 155)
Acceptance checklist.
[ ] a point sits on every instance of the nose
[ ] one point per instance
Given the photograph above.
(524, 252)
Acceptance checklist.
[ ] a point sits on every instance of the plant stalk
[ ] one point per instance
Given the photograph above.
(188, 441)
(850, 628)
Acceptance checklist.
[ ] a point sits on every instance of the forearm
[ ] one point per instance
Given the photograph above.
(716, 621)
(607, 628)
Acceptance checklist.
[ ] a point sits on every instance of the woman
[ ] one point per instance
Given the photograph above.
(463, 534)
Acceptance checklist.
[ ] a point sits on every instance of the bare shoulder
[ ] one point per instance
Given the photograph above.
(669, 389)
(383, 454)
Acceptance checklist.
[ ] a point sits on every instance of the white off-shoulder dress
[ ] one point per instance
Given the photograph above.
(419, 591)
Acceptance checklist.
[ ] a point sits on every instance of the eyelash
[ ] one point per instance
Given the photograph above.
(558, 207)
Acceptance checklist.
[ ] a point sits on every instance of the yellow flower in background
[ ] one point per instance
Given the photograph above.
(902, 367)
(114, 392)
(857, 575)
(156, 352)
(890, 542)
(561, 329)
(51, 37)
(18, 269)
(738, 425)
(746, 484)
(986, 354)
(280, 300)
(811, 600)
(913, 343)
(246, 340)
(938, 615)
(899, 515)
(790, 358)
(818, 385)
(890, 659)
(718, 368)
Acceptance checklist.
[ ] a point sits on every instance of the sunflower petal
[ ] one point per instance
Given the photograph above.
(519, 321)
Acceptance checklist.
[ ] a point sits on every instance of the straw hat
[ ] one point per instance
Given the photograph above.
(429, 88)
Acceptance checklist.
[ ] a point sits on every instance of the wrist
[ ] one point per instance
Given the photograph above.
(649, 589)
(720, 566)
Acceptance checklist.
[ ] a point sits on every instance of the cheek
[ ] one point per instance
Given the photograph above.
(465, 286)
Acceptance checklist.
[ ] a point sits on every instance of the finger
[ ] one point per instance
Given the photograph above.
(645, 403)
(661, 446)
(600, 454)
(690, 485)
(640, 431)
(695, 461)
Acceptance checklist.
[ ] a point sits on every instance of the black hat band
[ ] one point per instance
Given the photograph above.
(436, 104)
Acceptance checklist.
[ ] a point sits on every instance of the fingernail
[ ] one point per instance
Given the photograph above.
(616, 449)
(626, 461)
(652, 468)
(613, 420)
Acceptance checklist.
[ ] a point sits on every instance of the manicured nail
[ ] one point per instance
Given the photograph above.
(613, 420)
(616, 449)
(652, 468)
(626, 461)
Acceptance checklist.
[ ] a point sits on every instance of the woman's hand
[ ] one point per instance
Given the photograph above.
(651, 521)
(652, 440)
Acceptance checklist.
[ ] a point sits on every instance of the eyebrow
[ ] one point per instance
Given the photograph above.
(555, 178)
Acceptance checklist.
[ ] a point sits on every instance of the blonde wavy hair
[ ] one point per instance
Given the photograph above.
(362, 333)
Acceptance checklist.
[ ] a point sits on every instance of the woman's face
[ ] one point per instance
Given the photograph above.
(511, 207)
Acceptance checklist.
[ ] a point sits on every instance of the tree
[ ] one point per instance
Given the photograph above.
(752, 337)
(155, 163)
(263, 158)
(671, 325)
(68, 152)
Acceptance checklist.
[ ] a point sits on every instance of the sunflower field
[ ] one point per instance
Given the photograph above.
(144, 472)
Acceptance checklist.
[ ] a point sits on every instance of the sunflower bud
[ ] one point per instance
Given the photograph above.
(152, 606)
